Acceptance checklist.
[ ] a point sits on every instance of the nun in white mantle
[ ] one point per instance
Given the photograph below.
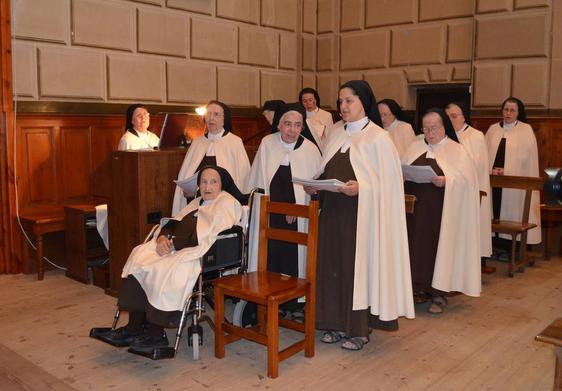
(444, 230)
(218, 146)
(363, 278)
(512, 149)
(160, 274)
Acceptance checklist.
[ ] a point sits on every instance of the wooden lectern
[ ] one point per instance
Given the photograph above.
(142, 193)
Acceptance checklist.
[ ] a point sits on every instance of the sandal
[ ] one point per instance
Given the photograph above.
(437, 305)
(332, 336)
(355, 343)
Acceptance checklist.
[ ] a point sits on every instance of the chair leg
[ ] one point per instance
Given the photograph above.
(524, 256)
(272, 339)
(309, 320)
(513, 254)
(219, 320)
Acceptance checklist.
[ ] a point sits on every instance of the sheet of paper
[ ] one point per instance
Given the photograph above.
(323, 184)
(188, 185)
(418, 174)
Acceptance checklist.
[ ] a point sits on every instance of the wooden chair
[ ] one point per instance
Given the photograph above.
(517, 228)
(269, 290)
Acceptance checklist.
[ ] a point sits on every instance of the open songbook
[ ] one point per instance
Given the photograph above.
(320, 184)
(418, 174)
(188, 185)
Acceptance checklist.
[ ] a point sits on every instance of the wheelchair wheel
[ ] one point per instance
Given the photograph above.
(245, 314)
(195, 346)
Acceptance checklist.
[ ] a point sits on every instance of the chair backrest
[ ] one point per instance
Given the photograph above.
(529, 184)
(310, 239)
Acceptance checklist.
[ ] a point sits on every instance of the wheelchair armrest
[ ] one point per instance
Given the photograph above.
(228, 233)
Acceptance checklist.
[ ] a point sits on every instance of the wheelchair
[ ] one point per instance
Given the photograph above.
(229, 254)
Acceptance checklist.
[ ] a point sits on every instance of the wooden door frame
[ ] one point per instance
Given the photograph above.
(9, 234)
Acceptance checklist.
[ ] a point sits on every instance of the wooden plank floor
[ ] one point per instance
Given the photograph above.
(478, 344)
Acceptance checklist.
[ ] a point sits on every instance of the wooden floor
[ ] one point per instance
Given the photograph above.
(478, 344)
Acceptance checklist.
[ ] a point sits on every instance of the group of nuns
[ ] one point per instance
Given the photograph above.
(372, 256)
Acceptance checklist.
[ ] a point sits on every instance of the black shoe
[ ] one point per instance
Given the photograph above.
(119, 337)
(146, 342)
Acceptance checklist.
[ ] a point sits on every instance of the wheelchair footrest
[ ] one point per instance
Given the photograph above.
(100, 333)
(158, 353)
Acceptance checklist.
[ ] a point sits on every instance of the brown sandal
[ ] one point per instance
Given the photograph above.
(355, 343)
(332, 336)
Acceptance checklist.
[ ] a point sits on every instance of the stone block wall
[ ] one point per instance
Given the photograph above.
(247, 51)
(161, 51)
(500, 47)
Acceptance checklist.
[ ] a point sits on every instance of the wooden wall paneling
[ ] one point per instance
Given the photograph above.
(555, 152)
(105, 138)
(76, 162)
(36, 167)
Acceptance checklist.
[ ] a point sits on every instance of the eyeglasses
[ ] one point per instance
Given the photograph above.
(433, 129)
(454, 115)
(211, 114)
(508, 110)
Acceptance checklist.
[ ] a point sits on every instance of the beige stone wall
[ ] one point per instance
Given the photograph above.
(248, 51)
(501, 47)
(161, 51)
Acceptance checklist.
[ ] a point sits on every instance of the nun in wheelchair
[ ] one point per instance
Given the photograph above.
(160, 274)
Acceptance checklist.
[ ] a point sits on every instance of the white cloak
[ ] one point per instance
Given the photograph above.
(402, 136)
(304, 161)
(457, 263)
(168, 280)
(318, 131)
(142, 141)
(475, 144)
(382, 280)
(230, 155)
(522, 159)
(322, 116)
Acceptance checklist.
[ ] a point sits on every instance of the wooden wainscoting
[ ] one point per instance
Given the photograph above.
(64, 159)
(548, 131)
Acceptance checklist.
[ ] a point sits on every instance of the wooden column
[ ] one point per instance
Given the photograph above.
(8, 262)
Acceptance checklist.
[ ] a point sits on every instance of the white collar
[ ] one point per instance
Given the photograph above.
(206, 202)
(287, 146)
(509, 126)
(432, 148)
(352, 128)
(463, 129)
(215, 136)
(288, 149)
(356, 126)
(393, 124)
(312, 113)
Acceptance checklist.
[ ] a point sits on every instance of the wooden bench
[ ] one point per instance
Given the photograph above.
(41, 223)
(517, 228)
(553, 335)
